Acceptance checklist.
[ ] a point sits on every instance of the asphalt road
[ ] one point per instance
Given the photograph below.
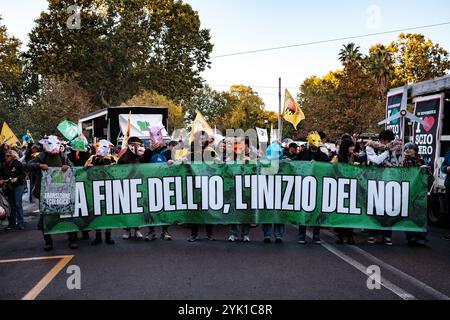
(219, 269)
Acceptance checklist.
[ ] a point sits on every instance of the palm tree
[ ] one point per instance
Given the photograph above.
(350, 55)
(380, 64)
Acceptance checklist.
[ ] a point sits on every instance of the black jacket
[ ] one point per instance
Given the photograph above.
(13, 170)
(309, 155)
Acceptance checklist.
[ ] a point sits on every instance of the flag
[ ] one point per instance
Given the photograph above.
(8, 136)
(292, 112)
(127, 134)
(200, 124)
(68, 129)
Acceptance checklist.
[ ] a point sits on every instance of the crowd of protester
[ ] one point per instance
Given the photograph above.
(19, 164)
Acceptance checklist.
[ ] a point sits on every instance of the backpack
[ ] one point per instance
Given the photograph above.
(159, 157)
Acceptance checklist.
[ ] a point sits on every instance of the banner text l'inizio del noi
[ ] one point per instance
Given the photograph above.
(314, 194)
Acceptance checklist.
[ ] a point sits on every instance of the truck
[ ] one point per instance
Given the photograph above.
(430, 101)
(111, 123)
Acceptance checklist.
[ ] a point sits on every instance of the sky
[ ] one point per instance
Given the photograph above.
(244, 25)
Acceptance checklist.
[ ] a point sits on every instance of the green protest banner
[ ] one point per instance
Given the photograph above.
(322, 194)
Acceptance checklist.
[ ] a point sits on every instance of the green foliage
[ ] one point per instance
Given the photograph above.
(122, 48)
(58, 101)
(417, 59)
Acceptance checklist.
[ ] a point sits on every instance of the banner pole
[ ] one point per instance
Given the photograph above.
(280, 123)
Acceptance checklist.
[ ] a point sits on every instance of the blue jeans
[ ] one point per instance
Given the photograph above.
(278, 230)
(245, 228)
(15, 201)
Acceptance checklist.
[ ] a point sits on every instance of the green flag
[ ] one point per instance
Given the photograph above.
(68, 129)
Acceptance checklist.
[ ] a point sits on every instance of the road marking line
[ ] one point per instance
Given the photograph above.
(421, 285)
(385, 283)
(33, 259)
(431, 291)
(45, 281)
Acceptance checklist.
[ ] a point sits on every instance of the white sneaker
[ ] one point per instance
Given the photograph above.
(246, 239)
(138, 234)
(232, 238)
(126, 235)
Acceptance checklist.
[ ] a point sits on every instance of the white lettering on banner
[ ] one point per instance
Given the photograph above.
(336, 193)
(240, 205)
(80, 201)
(256, 192)
(391, 198)
(98, 197)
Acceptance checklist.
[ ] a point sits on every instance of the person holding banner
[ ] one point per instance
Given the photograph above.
(445, 168)
(241, 152)
(411, 158)
(51, 157)
(158, 153)
(102, 157)
(134, 154)
(379, 154)
(201, 151)
(345, 155)
(312, 153)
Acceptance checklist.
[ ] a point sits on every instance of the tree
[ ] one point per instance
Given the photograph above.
(244, 109)
(11, 74)
(211, 103)
(417, 59)
(58, 101)
(122, 47)
(350, 55)
(341, 102)
(380, 65)
(152, 98)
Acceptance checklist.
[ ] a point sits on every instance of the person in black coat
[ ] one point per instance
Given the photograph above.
(12, 177)
(311, 153)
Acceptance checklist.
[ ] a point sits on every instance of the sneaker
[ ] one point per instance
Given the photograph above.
(85, 235)
(138, 235)
(447, 237)
(48, 246)
(317, 240)
(210, 237)
(302, 240)
(232, 238)
(388, 241)
(422, 242)
(166, 236)
(371, 240)
(278, 240)
(266, 240)
(193, 238)
(126, 235)
(150, 236)
(73, 245)
(246, 239)
(20, 227)
(96, 241)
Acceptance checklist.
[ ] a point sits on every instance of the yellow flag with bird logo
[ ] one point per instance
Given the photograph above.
(292, 112)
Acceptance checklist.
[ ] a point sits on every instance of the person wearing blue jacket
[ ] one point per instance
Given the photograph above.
(445, 168)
